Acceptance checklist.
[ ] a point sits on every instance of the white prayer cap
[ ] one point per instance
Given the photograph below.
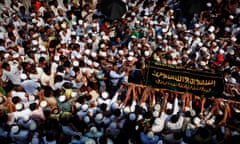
(179, 25)
(19, 106)
(34, 21)
(145, 17)
(204, 49)
(186, 38)
(169, 33)
(202, 63)
(23, 76)
(16, 55)
(102, 45)
(73, 33)
(42, 48)
(99, 117)
(96, 64)
(155, 113)
(64, 25)
(90, 141)
(231, 17)
(114, 106)
(231, 52)
(89, 41)
(105, 37)
(221, 51)
(214, 43)
(157, 107)
(105, 94)
(196, 25)
(131, 53)
(197, 33)
(121, 52)
(237, 11)
(157, 121)
(159, 37)
(208, 4)
(196, 121)
(133, 14)
(35, 42)
(78, 105)
(56, 58)
(126, 110)
(15, 129)
(93, 54)
(6, 55)
(164, 30)
(33, 126)
(86, 119)
(130, 58)
(174, 62)
(185, 56)
(94, 25)
(75, 63)
(175, 36)
(74, 23)
(132, 116)
(43, 104)
(113, 125)
(33, 14)
(227, 29)
(80, 22)
(151, 22)
(169, 106)
(62, 98)
(234, 39)
(211, 29)
(146, 53)
(232, 80)
(87, 51)
(103, 54)
(137, 22)
(200, 44)
(89, 62)
(74, 94)
(171, 10)
(150, 135)
(165, 41)
(63, 42)
(133, 36)
(84, 107)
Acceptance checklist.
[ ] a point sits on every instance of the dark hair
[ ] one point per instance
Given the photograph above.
(174, 118)
(103, 107)
(5, 65)
(117, 112)
(32, 106)
(41, 59)
(58, 78)
(15, 99)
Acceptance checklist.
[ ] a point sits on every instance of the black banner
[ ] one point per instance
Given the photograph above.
(184, 79)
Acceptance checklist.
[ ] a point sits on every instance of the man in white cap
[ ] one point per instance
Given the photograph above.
(148, 137)
(11, 74)
(115, 78)
(159, 122)
(18, 135)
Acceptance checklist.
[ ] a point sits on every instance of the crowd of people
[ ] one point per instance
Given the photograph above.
(70, 74)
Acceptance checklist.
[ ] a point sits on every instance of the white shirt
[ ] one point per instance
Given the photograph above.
(13, 75)
(115, 77)
(159, 125)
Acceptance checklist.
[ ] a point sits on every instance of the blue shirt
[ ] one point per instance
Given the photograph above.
(146, 140)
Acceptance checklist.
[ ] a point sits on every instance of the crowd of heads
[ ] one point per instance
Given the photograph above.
(70, 74)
